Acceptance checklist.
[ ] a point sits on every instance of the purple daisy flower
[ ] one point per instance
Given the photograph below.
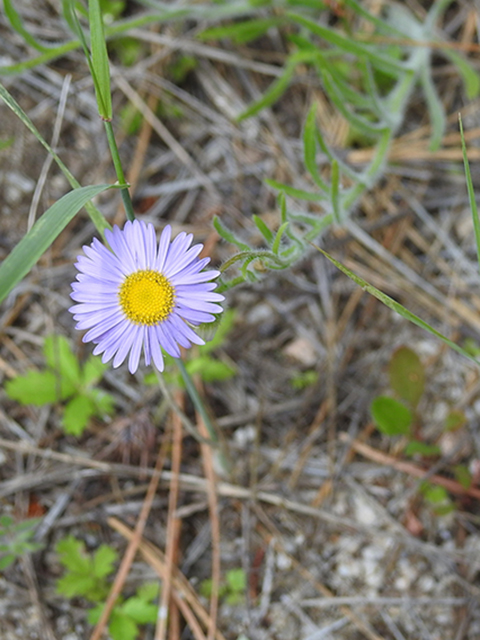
(140, 295)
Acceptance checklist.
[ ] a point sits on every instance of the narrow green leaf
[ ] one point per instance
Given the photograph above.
(391, 416)
(334, 193)
(240, 32)
(278, 238)
(435, 109)
(228, 235)
(42, 234)
(17, 24)
(471, 192)
(470, 76)
(295, 193)
(100, 66)
(310, 148)
(382, 62)
(273, 93)
(264, 230)
(396, 306)
(97, 218)
(407, 375)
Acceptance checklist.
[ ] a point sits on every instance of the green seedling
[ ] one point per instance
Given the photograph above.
(66, 382)
(398, 417)
(87, 575)
(232, 589)
(16, 539)
(304, 379)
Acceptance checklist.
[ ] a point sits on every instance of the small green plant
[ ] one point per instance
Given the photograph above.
(399, 416)
(209, 367)
(64, 380)
(87, 577)
(232, 589)
(303, 379)
(16, 539)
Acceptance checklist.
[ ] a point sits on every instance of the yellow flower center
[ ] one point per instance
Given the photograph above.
(146, 297)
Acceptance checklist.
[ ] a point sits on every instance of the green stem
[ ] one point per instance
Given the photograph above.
(196, 399)
(112, 143)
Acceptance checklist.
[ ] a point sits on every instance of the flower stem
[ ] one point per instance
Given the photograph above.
(196, 399)
(112, 143)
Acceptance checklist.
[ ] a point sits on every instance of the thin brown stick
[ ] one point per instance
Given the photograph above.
(161, 630)
(132, 546)
(207, 456)
(183, 593)
(410, 468)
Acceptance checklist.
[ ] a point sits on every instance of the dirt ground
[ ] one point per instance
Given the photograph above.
(333, 534)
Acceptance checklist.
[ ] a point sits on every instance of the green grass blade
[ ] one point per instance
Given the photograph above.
(42, 234)
(378, 60)
(17, 24)
(310, 148)
(435, 109)
(470, 77)
(295, 193)
(100, 68)
(471, 192)
(396, 306)
(97, 218)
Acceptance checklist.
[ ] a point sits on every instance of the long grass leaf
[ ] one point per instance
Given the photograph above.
(97, 218)
(19, 262)
(378, 60)
(100, 66)
(435, 109)
(310, 148)
(396, 306)
(471, 192)
(17, 24)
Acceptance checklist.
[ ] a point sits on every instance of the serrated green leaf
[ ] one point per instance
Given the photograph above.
(77, 414)
(148, 591)
(391, 416)
(74, 585)
(35, 387)
(93, 370)
(60, 358)
(104, 403)
(140, 610)
(42, 234)
(121, 626)
(100, 67)
(407, 375)
(72, 555)
(103, 560)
